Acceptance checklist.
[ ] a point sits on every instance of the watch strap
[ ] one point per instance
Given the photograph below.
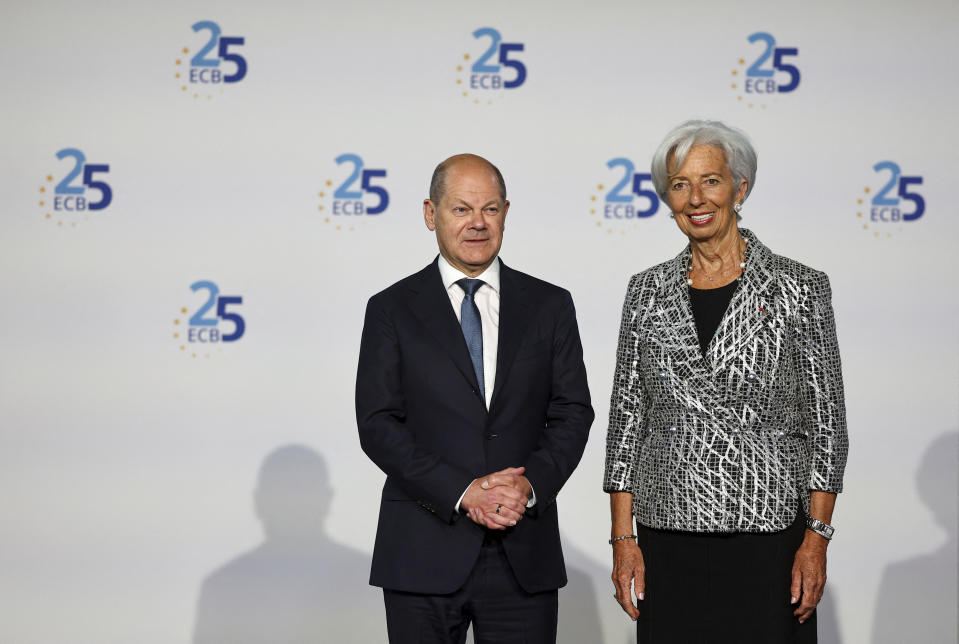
(824, 530)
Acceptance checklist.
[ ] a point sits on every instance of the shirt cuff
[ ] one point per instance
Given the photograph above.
(532, 498)
(456, 508)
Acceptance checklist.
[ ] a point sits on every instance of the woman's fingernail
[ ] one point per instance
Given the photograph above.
(641, 596)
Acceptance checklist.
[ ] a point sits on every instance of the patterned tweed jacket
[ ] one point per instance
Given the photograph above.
(732, 442)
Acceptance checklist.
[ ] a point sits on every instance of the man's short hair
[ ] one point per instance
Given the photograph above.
(438, 182)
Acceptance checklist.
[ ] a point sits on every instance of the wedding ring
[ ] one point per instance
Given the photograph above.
(498, 508)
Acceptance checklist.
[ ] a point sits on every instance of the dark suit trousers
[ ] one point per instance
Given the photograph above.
(491, 599)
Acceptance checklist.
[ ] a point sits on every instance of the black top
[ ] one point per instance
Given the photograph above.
(709, 306)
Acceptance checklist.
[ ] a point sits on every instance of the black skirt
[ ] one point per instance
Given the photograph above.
(717, 588)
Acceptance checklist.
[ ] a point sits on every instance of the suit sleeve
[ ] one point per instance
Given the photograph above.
(569, 413)
(381, 421)
(628, 401)
(820, 386)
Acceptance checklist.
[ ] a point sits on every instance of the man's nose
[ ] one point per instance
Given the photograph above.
(476, 220)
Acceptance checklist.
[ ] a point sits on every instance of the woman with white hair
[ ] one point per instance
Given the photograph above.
(727, 426)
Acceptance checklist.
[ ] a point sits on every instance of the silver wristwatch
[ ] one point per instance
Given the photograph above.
(822, 529)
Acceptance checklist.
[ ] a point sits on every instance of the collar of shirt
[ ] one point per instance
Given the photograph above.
(451, 275)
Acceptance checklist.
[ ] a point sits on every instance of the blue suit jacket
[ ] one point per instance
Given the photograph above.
(423, 421)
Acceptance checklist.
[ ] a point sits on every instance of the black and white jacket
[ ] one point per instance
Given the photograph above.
(735, 441)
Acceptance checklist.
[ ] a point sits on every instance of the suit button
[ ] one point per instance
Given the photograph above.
(490, 436)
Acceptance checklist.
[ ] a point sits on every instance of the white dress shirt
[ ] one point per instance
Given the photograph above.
(487, 301)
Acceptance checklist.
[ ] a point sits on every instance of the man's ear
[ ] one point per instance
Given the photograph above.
(429, 214)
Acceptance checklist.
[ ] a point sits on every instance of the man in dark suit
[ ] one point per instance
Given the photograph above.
(471, 396)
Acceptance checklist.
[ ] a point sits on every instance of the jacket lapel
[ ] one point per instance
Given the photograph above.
(749, 310)
(673, 317)
(514, 316)
(431, 305)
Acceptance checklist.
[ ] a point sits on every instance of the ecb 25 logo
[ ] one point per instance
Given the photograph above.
(203, 325)
(205, 64)
(204, 69)
(629, 197)
(886, 206)
(619, 199)
(348, 201)
(370, 199)
(70, 197)
(760, 76)
(487, 72)
(486, 75)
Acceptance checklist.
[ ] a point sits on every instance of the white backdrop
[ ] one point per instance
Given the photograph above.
(130, 469)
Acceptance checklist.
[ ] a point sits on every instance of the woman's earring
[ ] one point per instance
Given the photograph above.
(672, 215)
(738, 207)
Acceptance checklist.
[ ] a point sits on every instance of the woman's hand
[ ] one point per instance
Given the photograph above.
(809, 564)
(629, 575)
(808, 575)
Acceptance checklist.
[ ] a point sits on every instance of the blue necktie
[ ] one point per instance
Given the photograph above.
(473, 328)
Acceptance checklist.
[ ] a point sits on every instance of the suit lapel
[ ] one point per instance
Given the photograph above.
(431, 305)
(514, 316)
(674, 317)
(749, 309)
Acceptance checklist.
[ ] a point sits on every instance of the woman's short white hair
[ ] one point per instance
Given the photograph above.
(740, 155)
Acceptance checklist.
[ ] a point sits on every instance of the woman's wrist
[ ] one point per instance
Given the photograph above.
(621, 538)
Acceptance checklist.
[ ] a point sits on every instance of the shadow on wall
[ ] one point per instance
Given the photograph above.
(586, 605)
(917, 596)
(579, 619)
(827, 625)
(298, 586)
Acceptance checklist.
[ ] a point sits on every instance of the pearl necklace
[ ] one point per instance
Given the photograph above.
(742, 266)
